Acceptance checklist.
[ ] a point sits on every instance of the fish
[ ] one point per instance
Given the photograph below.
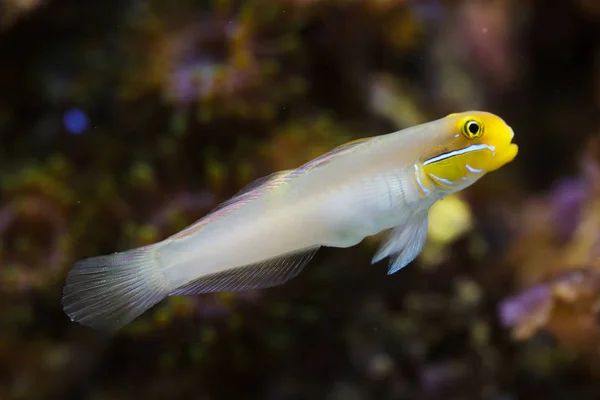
(268, 232)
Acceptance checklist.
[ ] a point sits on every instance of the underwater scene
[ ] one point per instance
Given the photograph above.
(300, 199)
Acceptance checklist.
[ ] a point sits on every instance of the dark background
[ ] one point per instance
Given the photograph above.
(121, 122)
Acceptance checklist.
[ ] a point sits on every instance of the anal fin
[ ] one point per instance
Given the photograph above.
(269, 273)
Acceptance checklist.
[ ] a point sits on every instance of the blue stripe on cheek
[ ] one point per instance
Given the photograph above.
(474, 170)
(423, 188)
(454, 153)
(442, 180)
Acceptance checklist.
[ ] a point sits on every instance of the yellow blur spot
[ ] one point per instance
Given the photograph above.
(449, 219)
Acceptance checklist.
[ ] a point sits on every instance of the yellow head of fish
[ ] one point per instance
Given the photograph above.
(465, 147)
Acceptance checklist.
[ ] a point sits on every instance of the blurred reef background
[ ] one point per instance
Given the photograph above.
(121, 122)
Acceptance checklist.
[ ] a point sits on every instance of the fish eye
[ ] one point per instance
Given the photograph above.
(472, 129)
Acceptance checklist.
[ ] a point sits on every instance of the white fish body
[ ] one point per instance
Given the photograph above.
(335, 204)
(265, 235)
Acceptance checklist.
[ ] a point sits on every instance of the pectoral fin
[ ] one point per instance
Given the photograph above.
(403, 244)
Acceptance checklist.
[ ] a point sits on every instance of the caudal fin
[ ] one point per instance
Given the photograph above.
(108, 292)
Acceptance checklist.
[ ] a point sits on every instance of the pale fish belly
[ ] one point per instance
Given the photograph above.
(368, 207)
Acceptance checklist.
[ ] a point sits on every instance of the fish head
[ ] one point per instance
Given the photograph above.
(467, 146)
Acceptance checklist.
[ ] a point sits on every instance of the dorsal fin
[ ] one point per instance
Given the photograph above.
(257, 187)
(250, 192)
(336, 152)
(262, 185)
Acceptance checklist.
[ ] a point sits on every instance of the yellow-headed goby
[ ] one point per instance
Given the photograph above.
(268, 232)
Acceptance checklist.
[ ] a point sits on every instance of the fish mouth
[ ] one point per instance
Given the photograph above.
(505, 153)
(512, 150)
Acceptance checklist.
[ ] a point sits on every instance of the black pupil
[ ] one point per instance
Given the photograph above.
(473, 128)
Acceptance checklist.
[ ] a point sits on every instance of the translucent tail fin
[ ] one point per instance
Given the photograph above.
(108, 292)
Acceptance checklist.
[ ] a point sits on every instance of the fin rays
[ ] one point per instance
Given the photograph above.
(107, 292)
(403, 244)
(265, 184)
(269, 273)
